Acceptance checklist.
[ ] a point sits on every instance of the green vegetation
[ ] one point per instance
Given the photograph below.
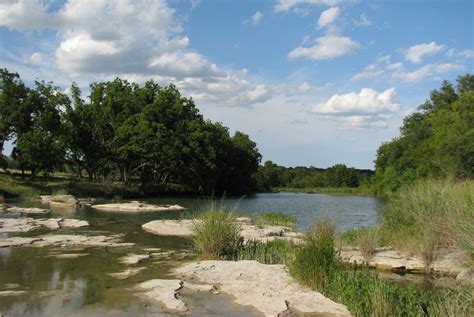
(279, 251)
(216, 234)
(437, 141)
(338, 178)
(275, 219)
(145, 136)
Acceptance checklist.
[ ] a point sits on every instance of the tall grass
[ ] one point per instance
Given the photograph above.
(430, 215)
(278, 251)
(275, 219)
(216, 233)
(316, 260)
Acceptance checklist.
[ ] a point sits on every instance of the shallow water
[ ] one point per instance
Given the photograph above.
(81, 287)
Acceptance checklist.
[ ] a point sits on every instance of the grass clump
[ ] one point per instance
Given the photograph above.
(216, 234)
(275, 219)
(279, 251)
(431, 215)
(316, 260)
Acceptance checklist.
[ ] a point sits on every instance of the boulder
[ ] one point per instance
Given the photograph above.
(131, 258)
(268, 288)
(63, 201)
(136, 206)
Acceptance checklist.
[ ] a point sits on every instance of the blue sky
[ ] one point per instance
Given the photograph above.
(313, 82)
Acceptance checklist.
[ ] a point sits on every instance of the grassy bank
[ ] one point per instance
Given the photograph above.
(424, 218)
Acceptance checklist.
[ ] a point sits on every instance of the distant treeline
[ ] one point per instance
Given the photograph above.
(147, 135)
(271, 175)
(437, 141)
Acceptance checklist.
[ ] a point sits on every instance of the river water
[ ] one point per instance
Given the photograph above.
(82, 286)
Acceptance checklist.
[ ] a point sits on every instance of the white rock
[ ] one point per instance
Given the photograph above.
(68, 255)
(131, 258)
(200, 287)
(136, 206)
(164, 291)
(32, 211)
(127, 273)
(12, 293)
(73, 223)
(65, 240)
(30, 224)
(269, 288)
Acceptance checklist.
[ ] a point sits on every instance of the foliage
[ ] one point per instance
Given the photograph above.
(148, 135)
(271, 176)
(275, 219)
(436, 141)
(216, 234)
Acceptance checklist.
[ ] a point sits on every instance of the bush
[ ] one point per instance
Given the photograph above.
(216, 234)
(316, 260)
(275, 219)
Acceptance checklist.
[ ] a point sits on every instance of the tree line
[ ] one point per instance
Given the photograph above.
(271, 175)
(436, 141)
(150, 135)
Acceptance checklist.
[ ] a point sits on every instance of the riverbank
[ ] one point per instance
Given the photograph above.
(342, 191)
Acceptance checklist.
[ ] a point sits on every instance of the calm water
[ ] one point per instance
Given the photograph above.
(80, 287)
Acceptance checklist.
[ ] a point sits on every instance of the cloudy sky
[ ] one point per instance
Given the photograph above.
(313, 82)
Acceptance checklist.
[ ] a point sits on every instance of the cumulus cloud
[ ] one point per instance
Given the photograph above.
(416, 53)
(367, 74)
(366, 102)
(394, 66)
(426, 71)
(463, 54)
(327, 47)
(140, 40)
(328, 16)
(366, 109)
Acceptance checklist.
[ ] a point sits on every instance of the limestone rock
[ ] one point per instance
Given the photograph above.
(164, 291)
(65, 240)
(131, 258)
(29, 211)
(136, 206)
(30, 224)
(63, 201)
(12, 293)
(127, 273)
(269, 288)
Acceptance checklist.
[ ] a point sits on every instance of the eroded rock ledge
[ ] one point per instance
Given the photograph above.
(447, 262)
(136, 206)
(184, 228)
(10, 225)
(268, 288)
(65, 240)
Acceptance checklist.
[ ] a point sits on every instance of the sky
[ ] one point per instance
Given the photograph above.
(313, 82)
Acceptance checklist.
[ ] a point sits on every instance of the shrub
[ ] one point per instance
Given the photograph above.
(275, 219)
(316, 260)
(216, 234)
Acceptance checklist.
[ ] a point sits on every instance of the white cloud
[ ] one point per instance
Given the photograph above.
(363, 20)
(35, 58)
(366, 74)
(286, 5)
(327, 47)
(328, 16)
(366, 102)
(136, 40)
(426, 71)
(384, 58)
(256, 18)
(416, 53)
(394, 66)
(464, 53)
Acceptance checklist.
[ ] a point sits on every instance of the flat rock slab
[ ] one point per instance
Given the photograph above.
(30, 224)
(127, 273)
(164, 292)
(136, 206)
(447, 262)
(184, 228)
(131, 258)
(12, 293)
(29, 211)
(68, 255)
(65, 240)
(269, 288)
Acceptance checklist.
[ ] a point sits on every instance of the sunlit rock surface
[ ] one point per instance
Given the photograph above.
(136, 206)
(269, 288)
